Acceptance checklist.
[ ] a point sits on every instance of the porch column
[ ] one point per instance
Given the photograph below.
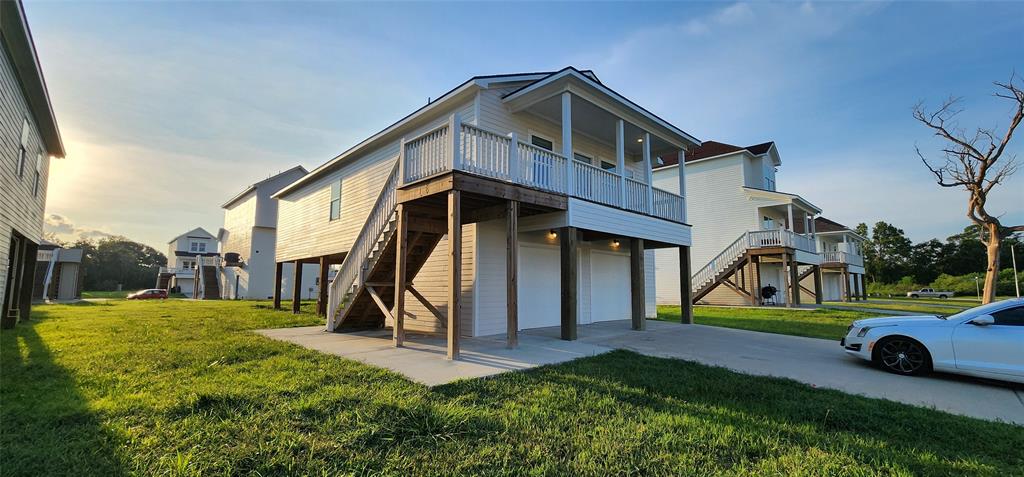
(636, 276)
(648, 173)
(28, 275)
(814, 230)
(858, 284)
(321, 298)
(512, 274)
(685, 286)
(817, 285)
(682, 179)
(569, 269)
(401, 253)
(297, 287)
(794, 279)
(620, 158)
(454, 271)
(789, 211)
(863, 288)
(278, 273)
(570, 181)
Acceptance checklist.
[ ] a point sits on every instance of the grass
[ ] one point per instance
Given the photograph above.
(922, 308)
(105, 294)
(817, 323)
(183, 388)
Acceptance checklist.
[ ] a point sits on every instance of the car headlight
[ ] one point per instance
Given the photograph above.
(863, 331)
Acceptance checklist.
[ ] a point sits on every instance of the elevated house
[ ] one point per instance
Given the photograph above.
(193, 264)
(749, 237)
(842, 261)
(248, 243)
(29, 137)
(510, 202)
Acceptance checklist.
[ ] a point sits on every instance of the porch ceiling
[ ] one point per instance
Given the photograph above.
(597, 123)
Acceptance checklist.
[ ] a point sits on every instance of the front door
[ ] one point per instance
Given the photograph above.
(995, 348)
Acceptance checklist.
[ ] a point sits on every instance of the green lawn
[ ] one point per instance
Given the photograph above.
(105, 294)
(818, 323)
(923, 308)
(183, 388)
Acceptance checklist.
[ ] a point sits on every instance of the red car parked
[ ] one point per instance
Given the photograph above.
(150, 294)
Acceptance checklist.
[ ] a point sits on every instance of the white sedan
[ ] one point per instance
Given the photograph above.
(985, 341)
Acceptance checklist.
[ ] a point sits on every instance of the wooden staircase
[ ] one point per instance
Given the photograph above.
(720, 277)
(211, 286)
(726, 263)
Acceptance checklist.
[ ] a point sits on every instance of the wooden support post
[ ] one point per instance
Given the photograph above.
(817, 284)
(863, 288)
(28, 274)
(569, 264)
(512, 275)
(857, 285)
(636, 277)
(846, 284)
(321, 298)
(454, 271)
(756, 278)
(685, 287)
(794, 279)
(786, 280)
(755, 293)
(297, 287)
(401, 255)
(278, 272)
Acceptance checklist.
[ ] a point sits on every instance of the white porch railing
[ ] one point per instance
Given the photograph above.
(842, 257)
(177, 270)
(505, 157)
(781, 238)
(724, 259)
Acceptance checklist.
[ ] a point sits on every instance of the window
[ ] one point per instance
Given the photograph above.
(197, 247)
(608, 166)
(187, 264)
(21, 161)
(39, 173)
(336, 200)
(23, 149)
(542, 143)
(1011, 317)
(582, 158)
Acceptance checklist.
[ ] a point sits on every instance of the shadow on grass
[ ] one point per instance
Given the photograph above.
(46, 427)
(733, 410)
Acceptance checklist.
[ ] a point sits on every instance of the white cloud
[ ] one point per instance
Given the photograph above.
(66, 230)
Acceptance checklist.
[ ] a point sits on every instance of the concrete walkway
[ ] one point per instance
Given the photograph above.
(816, 362)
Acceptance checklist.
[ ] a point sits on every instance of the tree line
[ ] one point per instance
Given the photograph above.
(892, 262)
(112, 261)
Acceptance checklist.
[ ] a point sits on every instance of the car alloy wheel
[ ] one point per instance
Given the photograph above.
(903, 356)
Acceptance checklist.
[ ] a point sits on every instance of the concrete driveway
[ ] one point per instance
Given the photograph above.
(817, 362)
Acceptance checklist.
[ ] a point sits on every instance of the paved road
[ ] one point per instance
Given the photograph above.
(817, 362)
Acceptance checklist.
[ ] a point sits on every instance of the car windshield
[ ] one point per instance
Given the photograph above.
(978, 310)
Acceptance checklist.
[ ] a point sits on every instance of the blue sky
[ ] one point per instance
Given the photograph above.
(169, 109)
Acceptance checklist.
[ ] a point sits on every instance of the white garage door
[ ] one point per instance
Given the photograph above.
(610, 287)
(539, 286)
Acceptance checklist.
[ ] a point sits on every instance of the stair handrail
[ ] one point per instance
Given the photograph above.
(362, 246)
(722, 260)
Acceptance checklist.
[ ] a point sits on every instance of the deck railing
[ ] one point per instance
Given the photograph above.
(842, 257)
(505, 157)
(780, 238)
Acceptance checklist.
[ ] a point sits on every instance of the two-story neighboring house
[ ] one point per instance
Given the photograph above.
(28, 139)
(248, 243)
(747, 235)
(842, 261)
(192, 265)
(510, 202)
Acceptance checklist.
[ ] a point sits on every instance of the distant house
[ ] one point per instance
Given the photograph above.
(58, 273)
(192, 263)
(749, 236)
(247, 243)
(28, 139)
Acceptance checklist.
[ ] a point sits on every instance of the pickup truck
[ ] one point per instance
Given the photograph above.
(929, 293)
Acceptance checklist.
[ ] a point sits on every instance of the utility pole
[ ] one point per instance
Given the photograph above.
(977, 287)
(1013, 258)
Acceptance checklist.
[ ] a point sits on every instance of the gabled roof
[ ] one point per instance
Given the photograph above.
(253, 187)
(823, 225)
(15, 33)
(197, 232)
(709, 149)
(482, 81)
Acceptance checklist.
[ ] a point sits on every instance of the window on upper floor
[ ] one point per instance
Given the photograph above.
(542, 143)
(199, 247)
(39, 174)
(608, 166)
(23, 148)
(335, 201)
(583, 158)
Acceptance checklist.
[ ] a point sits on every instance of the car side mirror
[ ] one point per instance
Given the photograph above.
(983, 320)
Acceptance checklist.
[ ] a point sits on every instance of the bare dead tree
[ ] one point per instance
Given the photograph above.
(976, 163)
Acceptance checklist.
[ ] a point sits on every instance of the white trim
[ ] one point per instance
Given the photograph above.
(603, 89)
